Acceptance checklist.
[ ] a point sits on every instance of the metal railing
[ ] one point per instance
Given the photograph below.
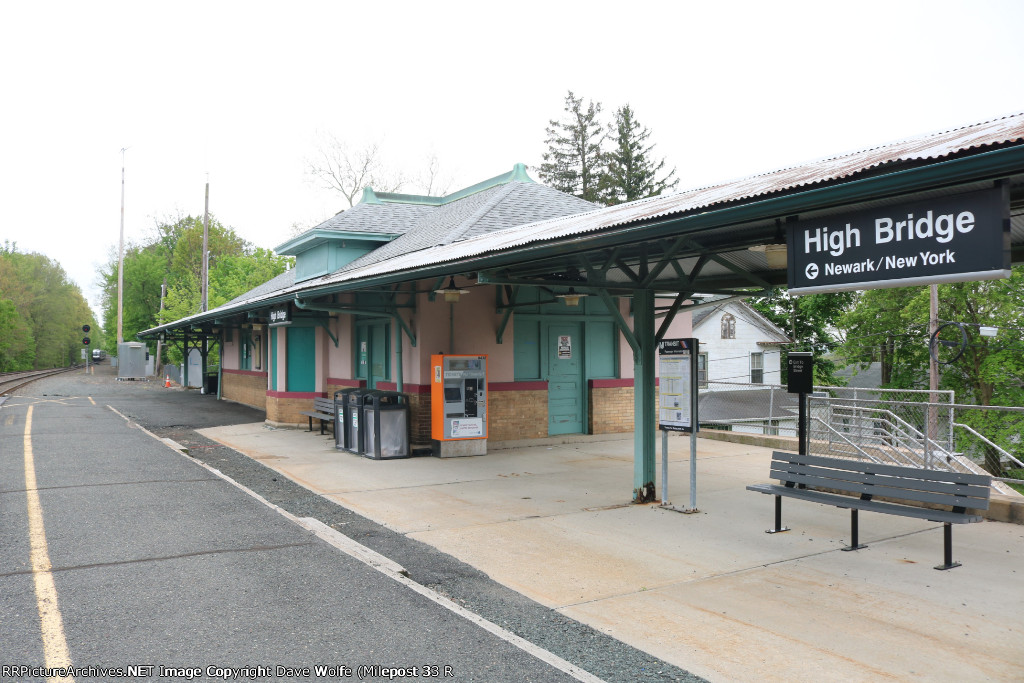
(916, 428)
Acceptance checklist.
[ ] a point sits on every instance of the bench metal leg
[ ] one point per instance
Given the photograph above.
(778, 518)
(854, 529)
(947, 548)
(310, 423)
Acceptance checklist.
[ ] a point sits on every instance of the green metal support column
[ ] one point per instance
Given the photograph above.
(184, 363)
(644, 410)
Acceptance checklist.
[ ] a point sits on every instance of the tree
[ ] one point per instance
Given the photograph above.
(811, 320)
(632, 171)
(575, 162)
(879, 330)
(17, 346)
(236, 274)
(990, 371)
(341, 169)
(41, 312)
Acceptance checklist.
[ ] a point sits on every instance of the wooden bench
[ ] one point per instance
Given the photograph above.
(323, 410)
(866, 481)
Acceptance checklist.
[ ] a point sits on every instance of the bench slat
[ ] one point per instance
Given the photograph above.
(939, 516)
(951, 488)
(790, 472)
(891, 489)
(894, 470)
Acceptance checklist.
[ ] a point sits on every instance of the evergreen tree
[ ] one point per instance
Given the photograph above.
(633, 172)
(574, 162)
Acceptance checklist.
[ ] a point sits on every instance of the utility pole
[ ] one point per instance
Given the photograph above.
(933, 374)
(206, 248)
(120, 263)
(163, 293)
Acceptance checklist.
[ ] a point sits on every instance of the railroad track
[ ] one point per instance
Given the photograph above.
(12, 381)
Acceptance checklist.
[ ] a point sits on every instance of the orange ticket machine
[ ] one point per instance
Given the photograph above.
(458, 405)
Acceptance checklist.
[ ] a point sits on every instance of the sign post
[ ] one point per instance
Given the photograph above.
(677, 410)
(800, 380)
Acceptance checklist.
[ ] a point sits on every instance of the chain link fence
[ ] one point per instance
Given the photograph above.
(913, 428)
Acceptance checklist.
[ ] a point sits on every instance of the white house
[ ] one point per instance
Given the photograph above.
(739, 370)
(738, 346)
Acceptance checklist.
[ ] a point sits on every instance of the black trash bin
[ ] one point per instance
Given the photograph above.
(210, 383)
(340, 432)
(355, 426)
(386, 420)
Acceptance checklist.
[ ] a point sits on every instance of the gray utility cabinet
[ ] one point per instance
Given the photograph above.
(131, 360)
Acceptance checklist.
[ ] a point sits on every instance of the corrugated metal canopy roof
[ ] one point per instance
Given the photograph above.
(1009, 129)
(548, 239)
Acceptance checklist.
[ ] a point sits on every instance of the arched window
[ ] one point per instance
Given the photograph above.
(728, 326)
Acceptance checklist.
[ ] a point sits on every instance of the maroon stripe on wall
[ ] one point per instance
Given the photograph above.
(613, 383)
(249, 373)
(296, 394)
(355, 383)
(407, 389)
(518, 386)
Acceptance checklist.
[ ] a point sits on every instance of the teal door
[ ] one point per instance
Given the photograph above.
(301, 367)
(566, 391)
(373, 353)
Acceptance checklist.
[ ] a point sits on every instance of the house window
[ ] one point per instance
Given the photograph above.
(757, 368)
(728, 326)
(702, 370)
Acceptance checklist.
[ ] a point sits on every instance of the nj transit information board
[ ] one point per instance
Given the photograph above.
(677, 384)
(954, 238)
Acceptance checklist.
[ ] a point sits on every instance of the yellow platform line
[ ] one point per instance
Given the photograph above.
(55, 646)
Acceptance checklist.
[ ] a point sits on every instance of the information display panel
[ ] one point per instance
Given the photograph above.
(677, 384)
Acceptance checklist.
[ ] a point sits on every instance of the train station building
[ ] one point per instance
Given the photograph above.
(568, 301)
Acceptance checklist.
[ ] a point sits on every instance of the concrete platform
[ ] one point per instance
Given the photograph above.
(709, 592)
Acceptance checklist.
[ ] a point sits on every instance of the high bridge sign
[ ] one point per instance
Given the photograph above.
(953, 238)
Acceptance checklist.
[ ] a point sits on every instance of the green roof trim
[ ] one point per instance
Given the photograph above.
(517, 174)
(312, 238)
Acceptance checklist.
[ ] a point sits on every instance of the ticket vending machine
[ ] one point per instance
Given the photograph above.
(458, 405)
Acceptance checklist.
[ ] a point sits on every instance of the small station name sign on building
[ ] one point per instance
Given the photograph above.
(955, 238)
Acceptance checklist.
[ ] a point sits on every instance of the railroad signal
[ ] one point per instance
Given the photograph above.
(86, 341)
(86, 328)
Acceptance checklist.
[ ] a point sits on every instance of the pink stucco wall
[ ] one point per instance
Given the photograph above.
(476, 327)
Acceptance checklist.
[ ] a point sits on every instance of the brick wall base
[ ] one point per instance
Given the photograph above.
(611, 409)
(249, 388)
(287, 410)
(518, 415)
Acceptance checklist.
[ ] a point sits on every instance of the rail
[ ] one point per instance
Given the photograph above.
(12, 381)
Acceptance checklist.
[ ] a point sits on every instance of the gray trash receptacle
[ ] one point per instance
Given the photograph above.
(355, 426)
(340, 432)
(386, 420)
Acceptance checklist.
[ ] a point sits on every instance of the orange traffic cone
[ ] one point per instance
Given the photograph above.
(167, 381)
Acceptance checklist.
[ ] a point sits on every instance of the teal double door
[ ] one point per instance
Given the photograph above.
(567, 391)
(373, 350)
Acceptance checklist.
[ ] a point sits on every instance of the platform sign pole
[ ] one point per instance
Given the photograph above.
(677, 410)
(664, 467)
(800, 381)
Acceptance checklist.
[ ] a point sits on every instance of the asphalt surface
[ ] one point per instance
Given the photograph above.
(156, 560)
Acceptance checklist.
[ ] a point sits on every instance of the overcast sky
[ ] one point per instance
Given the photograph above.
(237, 93)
